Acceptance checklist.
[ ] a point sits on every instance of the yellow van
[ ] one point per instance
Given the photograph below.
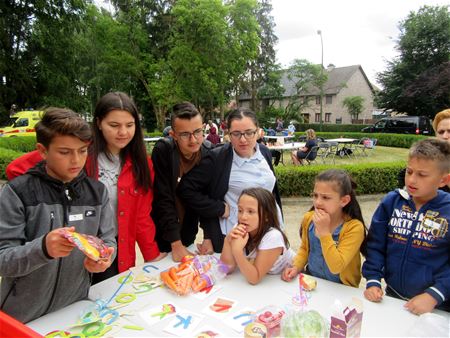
(23, 124)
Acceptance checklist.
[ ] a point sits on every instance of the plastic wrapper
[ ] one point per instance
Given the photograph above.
(297, 324)
(270, 317)
(194, 274)
(91, 246)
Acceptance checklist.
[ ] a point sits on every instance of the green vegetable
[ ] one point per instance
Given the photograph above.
(304, 324)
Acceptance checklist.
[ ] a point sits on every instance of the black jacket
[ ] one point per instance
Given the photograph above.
(203, 189)
(166, 163)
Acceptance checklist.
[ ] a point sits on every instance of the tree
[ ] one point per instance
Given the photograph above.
(354, 105)
(308, 80)
(263, 68)
(424, 48)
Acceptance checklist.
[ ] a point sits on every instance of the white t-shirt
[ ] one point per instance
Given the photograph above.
(271, 240)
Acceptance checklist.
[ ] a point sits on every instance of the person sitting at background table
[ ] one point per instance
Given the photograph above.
(213, 187)
(212, 136)
(441, 126)
(276, 154)
(305, 152)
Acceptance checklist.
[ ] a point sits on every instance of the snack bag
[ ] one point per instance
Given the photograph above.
(194, 274)
(91, 246)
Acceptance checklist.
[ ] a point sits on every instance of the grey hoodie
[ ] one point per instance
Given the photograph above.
(32, 205)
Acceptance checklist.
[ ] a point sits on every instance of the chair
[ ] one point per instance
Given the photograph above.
(310, 153)
(326, 150)
(367, 145)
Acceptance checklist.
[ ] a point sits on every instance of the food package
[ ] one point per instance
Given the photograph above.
(91, 246)
(346, 321)
(304, 324)
(194, 274)
(270, 317)
(307, 282)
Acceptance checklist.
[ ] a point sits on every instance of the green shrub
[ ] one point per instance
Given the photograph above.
(331, 127)
(386, 140)
(153, 134)
(22, 144)
(6, 156)
(371, 178)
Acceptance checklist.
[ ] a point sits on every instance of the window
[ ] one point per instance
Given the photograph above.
(329, 99)
(338, 120)
(327, 117)
(305, 118)
(317, 99)
(317, 118)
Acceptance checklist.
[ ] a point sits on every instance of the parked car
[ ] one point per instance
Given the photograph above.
(402, 125)
(23, 123)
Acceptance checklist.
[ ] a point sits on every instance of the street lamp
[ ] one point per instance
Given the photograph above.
(321, 82)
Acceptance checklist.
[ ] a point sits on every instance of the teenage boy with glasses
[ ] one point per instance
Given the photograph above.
(173, 157)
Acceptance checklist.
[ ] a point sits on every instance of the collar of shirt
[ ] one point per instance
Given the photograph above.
(256, 157)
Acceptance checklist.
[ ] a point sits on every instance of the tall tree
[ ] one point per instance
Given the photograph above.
(308, 80)
(424, 49)
(264, 64)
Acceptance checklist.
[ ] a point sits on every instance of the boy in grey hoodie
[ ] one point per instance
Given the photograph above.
(41, 272)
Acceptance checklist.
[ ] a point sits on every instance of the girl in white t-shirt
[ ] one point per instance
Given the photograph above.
(256, 244)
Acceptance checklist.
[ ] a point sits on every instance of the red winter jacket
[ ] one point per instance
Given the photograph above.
(133, 211)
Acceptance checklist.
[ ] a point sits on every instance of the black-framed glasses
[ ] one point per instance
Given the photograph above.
(248, 134)
(185, 136)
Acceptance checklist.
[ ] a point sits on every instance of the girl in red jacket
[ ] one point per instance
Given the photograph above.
(119, 160)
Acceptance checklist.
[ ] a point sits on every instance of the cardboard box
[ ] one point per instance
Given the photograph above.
(348, 322)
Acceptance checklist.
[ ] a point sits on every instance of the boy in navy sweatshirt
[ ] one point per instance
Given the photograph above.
(408, 243)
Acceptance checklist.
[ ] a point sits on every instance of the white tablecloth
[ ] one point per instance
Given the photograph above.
(385, 319)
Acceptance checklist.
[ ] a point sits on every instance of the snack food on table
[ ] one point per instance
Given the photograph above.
(307, 282)
(91, 246)
(194, 274)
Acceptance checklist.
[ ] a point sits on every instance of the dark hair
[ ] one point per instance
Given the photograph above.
(59, 122)
(268, 215)
(184, 110)
(434, 150)
(135, 149)
(239, 114)
(345, 186)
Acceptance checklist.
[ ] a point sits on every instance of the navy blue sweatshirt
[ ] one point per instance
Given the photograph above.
(410, 248)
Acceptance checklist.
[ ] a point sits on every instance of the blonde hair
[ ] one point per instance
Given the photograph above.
(310, 134)
(442, 115)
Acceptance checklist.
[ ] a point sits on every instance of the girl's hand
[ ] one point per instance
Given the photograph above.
(238, 231)
(421, 304)
(289, 273)
(238, 243)
(374, 294)
(321, 222)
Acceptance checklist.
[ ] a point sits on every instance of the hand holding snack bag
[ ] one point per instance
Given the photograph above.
(93, 247)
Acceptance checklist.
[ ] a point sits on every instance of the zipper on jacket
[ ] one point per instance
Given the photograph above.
(408, 245)
(13, 290)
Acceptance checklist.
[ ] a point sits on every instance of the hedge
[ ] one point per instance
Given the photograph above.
(6, 156)
(331, 127)
(22, 144)
(386, 140)
(373, 178)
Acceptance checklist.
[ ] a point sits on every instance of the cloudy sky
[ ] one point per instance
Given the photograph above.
(354, 31)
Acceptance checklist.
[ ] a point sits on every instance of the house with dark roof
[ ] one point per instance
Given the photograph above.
(342, 82)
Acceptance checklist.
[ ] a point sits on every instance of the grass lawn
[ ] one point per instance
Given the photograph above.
(377, 155)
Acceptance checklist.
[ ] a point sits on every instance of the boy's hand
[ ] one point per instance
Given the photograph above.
(100, 265)
(205, 247)
(58, 246)
(289, 273)
(421, 304)
(374, 294)
(322, 222)
(179, 251)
